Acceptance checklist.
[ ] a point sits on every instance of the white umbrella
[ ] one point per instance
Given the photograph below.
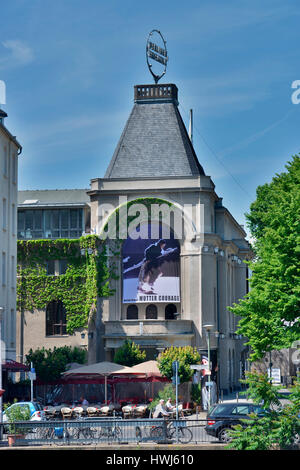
(101, 369)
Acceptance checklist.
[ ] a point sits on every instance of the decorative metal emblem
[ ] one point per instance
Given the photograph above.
(157, 53)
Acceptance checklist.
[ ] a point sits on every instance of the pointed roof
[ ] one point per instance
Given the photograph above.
(155, 142)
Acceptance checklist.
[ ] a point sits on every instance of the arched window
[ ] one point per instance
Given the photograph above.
(132, 312)
(151, 312)
(170, 311)
(56, 319)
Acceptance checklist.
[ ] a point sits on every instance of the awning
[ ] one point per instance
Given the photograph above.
(14, 366)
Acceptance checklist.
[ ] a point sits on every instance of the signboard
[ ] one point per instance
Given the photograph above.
(276, 375)
(199, 366)
(151, 268)
(157, 53)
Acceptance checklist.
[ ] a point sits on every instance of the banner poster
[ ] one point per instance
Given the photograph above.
(151, 268)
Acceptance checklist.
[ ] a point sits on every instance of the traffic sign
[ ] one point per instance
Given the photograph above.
(174, 380)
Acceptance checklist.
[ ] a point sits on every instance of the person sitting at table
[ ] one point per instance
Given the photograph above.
(160, 410)
(84, 401)
(169, 407)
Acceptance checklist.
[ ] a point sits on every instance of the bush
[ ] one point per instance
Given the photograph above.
(196, 394)
(15, 414)
(186, 356)
(50, 364)
(129, 354)
(164, 394)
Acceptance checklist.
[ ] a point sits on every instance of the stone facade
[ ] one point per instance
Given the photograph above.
(10, 149)
(213, 245)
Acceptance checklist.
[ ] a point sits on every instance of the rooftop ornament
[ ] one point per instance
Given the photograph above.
(156, 54)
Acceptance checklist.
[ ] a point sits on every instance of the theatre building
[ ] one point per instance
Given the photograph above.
(179, 261)
(176, 253)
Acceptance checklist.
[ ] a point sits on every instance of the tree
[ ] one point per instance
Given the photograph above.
(270, 312)
(50, 364)
(129, 354)
(278, 427)
(186, 356)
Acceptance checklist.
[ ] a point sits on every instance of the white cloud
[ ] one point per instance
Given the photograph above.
(17, 54)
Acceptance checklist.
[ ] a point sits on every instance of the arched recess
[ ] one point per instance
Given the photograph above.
(170, 311)
(132, 312)
(151, 312)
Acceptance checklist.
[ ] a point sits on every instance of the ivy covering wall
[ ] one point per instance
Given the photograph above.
(87, 276)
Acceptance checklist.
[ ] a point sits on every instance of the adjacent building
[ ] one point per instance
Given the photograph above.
(50, 215)
(10, 150)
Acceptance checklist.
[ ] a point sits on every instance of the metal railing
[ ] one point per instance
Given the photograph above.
(107, 431)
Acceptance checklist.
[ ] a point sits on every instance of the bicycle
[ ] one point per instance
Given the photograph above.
(172, 431)
(84, 432)
(111, 432)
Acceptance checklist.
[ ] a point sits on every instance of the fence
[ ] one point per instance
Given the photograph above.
(107, 431)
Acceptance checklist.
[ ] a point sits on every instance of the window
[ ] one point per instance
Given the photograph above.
(258, 410)
(14, 168)
(241, 410)
(13, 219)
(50, 223)
(13, 272)
(3, 268)
(56, 318)
(170, 311)
(4, 215)
(132, 312)
(5, 167)
(151, 312)
(12, 329)
(63, 266)
(51, 267)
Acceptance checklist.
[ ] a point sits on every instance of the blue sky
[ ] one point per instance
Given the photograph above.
(70, 67)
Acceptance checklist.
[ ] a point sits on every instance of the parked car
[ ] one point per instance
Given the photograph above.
(222, 417)
(35, 408)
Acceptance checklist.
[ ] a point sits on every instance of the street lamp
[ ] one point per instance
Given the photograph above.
(208, 327)
(1, 315)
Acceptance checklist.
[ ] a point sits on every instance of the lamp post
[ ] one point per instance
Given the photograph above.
(208, 327)
(1, 315)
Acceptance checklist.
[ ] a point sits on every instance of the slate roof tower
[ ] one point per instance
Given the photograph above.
(154, 142)
(155, 158)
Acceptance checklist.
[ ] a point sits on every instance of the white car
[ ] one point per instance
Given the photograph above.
(36, 410)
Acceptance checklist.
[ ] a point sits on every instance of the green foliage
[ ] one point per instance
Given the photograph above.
(129, 354)
(117, 216)
(15, 414)
(86, 278)
(196, 393)
(186, 356)
(277, 428)
(261, 391)
(269, 313)
(167, 392)
(50, 364)
(254, 434)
